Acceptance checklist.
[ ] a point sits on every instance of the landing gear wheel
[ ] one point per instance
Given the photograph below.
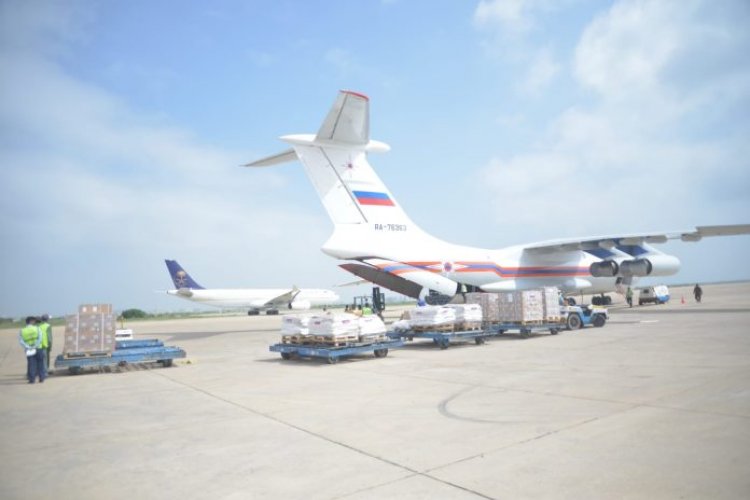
(286, 355)
(599, 320)
(607, 300)
(573, 322)
(381, 353)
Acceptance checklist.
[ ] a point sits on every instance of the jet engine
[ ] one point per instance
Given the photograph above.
(655, 265)
(604, 269)
(299, 305)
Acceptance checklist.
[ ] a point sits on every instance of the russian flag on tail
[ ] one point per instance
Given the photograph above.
(373, 198)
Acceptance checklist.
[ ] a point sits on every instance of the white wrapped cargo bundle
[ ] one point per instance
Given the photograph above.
(296, 324)
(371, 324)
(334, 325)
(371, 329)
(551, 303)
(467, 313)
(432, 316)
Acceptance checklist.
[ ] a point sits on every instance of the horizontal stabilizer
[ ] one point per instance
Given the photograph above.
(283, 157)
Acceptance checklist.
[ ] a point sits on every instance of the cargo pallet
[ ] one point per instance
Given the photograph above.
(443, 338)
(126, 351)
(333, 354)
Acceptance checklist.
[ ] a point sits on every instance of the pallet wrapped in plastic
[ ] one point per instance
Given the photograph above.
(551, 303)
(532, 305)
(432, 316)
(467, 313)
(371, 328)
(296, 324)
(334, 325)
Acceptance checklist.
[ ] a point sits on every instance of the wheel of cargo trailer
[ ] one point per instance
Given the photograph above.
(599, 320)
(554, 331)
(573, 322)
(381, 353)
(166, 362)
(479, 340)
(525, 332)
(332, 360)
(444, 343)
(286, 355)
(74, 370)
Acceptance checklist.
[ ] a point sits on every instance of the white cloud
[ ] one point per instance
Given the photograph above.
(542, 71)
(96, 194)
(646, 150)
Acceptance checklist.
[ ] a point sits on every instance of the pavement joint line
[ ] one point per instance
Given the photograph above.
(318, 435)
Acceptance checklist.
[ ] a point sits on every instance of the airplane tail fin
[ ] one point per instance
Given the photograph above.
(180, 277)
(335, 160)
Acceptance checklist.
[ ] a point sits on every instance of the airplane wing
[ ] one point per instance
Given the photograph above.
(284, 299)
(612, 241)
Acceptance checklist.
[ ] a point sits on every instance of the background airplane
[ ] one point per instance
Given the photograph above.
(255, 299)
(385, 247)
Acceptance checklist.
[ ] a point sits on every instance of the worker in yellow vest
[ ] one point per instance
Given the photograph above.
(30, 338)
(46, 329)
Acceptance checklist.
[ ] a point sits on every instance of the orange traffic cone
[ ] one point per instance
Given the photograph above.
(682, 301)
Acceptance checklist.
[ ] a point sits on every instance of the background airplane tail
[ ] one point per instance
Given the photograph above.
(180, 277)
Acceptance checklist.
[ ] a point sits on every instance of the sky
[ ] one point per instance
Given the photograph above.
(123, 126)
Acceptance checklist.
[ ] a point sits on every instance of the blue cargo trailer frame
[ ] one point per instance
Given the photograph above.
(126, 351)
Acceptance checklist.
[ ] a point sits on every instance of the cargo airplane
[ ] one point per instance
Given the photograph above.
(255, 299)
(384, 246)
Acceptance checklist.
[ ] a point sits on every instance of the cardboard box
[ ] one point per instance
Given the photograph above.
(89, 333)
(95, 309)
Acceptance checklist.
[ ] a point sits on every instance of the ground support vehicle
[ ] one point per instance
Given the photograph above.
(443, 338)
(576, 317)
(332, 354)
(126, 352)
(657, 294)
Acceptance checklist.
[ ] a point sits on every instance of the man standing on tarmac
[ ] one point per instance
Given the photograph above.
(46, 329)
(697, 292)
(629, 296)
(30, 338)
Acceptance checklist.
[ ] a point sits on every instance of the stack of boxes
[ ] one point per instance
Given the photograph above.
(525, 306)
(552, 312)
(91, 331)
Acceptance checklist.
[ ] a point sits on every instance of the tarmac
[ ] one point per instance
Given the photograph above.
(654, 405)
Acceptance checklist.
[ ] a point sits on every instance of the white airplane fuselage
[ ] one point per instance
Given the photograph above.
(384, 246)
(254, 298)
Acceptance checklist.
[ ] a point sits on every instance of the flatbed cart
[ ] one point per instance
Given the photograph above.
(443, 339)
(333, 354)
(126, 351)
(524, 329)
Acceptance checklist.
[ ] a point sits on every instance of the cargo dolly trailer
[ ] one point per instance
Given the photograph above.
(332, 354)
(126, 352)
(443, 338)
